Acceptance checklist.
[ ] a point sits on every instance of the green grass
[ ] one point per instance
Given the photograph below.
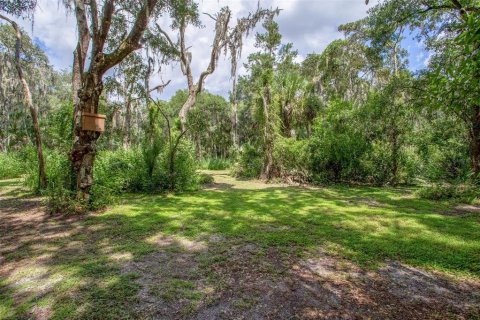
(81, 273)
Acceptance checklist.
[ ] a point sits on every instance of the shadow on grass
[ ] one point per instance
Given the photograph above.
(75, 267)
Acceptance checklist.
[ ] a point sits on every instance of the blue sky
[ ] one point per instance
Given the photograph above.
(309, 24)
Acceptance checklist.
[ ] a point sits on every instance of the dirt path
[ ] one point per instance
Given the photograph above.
(219, 278)
(284, 287)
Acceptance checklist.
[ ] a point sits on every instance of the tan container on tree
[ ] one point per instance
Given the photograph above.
(93, 122)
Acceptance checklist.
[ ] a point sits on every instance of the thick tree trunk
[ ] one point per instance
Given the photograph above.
(475, 142)
(192, 98)
(84, 147)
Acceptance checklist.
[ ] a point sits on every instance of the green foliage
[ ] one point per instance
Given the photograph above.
(54, 161)
(250, 161)
(215, 164)
(446, 165)
(58, 127)
(337, 145)
(205, 178)
(179, 174)
(117, 172)
(12, 165)
(153, 140)
(293, 159)
(209, 126)
(59, 195)
(465, 193)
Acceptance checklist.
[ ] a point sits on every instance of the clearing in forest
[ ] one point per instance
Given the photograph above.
(242, 250)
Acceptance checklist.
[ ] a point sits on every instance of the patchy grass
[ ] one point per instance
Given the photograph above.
(182, 250)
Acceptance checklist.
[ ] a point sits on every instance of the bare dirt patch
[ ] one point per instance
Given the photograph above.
(216, 277)
(243, 281)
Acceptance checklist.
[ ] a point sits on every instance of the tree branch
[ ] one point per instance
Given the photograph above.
(165, 34)
(132, 41)
(108, 10)
(221, 29)
(185, 56)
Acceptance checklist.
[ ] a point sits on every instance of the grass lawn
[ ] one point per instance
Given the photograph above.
(238, 249)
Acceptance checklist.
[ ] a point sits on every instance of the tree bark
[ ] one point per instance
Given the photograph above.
(42, 177)
(191, 100)
(235, 126)
(128, 124)
(84, 150)
(268, 169)
(475, 142)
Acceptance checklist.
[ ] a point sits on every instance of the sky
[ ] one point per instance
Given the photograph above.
(309, 24)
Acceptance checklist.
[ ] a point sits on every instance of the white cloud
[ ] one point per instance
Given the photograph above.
(309, 24)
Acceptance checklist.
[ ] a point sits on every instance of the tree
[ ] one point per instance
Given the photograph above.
(42, 177)
(261, 66)
(290, 87)
(210, 126)
(227, 39)
(450, 30)
(88, 83)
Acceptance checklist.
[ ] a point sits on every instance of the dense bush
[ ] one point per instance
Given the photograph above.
(249, 164)
(337, 146)
(179, 175)
(56, 165)
(215, 164)
(447, 164)
(293, 159)
(468, 193)
(115, 172)
(12, 165)
(204, 178)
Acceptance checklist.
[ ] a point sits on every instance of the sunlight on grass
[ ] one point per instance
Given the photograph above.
(81, 274)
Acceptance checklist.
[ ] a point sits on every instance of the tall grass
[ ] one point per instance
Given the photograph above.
(215, 164)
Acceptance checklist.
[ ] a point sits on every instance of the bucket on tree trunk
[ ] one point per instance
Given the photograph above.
(93, 122)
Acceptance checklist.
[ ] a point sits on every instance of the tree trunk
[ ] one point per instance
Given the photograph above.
(395, 149)
(42, 177)
(286, 112)
(475, 142)
(192, 98)
(234, 126)
(84, 147)
(268, 170)
(128, 124)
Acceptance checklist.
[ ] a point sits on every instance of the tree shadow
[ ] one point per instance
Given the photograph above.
(205, 254)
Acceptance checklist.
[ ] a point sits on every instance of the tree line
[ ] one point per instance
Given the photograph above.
(354, 112)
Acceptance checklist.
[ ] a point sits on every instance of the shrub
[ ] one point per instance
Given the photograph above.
(337, 145)
(215, 164)
(204, 178)
(11, 165)
(293, 158)
(114, 173)
(181, 175)
(249, 163)
(468, 193)
(57, 168)
(446, 164)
